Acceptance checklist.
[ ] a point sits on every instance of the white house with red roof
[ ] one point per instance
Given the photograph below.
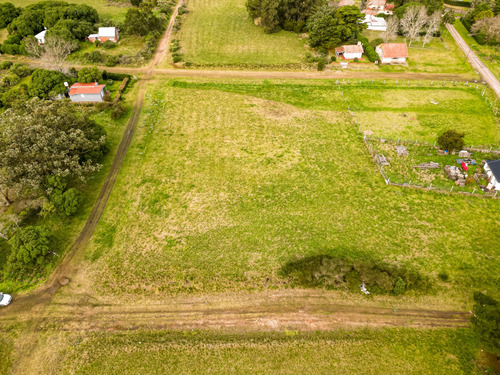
(375, 23)
(344, 3)
(87, 92)
(104, 34)
(374, 7)
(392, 53)
(350, 52)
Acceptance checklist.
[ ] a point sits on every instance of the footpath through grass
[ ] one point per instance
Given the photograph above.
(220, 33)
(221, 189)
(384, 351)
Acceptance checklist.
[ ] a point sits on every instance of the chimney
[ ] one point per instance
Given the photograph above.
(359, 43)
(96, 83)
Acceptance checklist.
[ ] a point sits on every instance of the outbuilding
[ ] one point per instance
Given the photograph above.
(375, 23)
(87, 92)
(104, 34)
(392, 53)
(40, 37)
(350, 52)
(492, 169)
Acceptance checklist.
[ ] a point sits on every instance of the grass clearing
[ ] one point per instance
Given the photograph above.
(220, 189)
(407, 351)
(112, 9)
(220, 33)
(441, 55)
(6, 353)
(487, 54)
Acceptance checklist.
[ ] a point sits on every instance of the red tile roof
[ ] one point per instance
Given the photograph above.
(85, 88)
(354, 48)
(392, 50)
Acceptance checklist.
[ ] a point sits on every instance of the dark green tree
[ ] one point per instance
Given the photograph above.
(136, 3)
(89, 75)
(30, 245)
(141, 22)
(8, 12)
(44, 82)
(330, 27)
(451, 140)
(486, 322)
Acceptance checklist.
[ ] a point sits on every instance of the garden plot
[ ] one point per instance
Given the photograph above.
(425, 166)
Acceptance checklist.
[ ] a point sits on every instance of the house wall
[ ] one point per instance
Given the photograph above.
(377, 27)
(85, 98)
(491, 178)
(352, 56)
(400, 60)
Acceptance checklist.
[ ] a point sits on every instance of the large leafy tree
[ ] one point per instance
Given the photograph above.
(47, 138)
(89, 75)
(141, 21)
(30, 245)
(8, 12)
(486, 322)
(330, 27)
(44, 83)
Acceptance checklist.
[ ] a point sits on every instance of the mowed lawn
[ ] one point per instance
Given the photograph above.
(220, 32)
(111, 9)
(384, 351)
(220, 190)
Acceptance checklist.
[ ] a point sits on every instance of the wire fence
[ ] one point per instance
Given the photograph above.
(469, 191)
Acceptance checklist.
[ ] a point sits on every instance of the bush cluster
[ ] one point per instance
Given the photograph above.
(345, 273)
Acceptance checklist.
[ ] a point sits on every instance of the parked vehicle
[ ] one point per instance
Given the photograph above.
(5, 299)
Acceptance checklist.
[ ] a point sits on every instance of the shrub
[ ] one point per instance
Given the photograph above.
(108, 44)
(21, 70)
(94, 57)
(333, 58)
(118, 110)
(375, 42)
(176, 57)
(112, 61)
(30, 245)
(110, 82)
(89, 75)
(443, 276)
(399, 286)
(451, 140)
(5, 65)
(321, 64)
(486, 322)
(371, 54)
(355, 59)
(135, 3)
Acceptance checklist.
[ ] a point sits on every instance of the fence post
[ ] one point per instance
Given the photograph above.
(473, 191)
(452, 188)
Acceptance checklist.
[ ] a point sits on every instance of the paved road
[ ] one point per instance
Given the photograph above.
(475, 61)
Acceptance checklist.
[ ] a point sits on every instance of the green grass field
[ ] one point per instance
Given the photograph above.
(220, 32)
(221, 189)
(6, 346)
(112, 9)
(400, 351)
(441, 55)
(488, 54)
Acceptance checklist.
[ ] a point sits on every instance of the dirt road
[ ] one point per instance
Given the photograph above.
(475, 61)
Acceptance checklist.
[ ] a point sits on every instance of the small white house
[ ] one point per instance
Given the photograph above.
(375, 23)
(104, 34)
(40, 37)
(392, 53)
(350, 52)
(492, 169)
(87, 92)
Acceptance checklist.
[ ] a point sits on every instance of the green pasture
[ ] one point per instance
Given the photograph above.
(225, 183)
(376, 351)
(220, 33)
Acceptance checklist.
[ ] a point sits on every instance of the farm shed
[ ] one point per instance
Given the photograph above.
(350, 52)
(392, 53)
(87, 92)
(375, 23)
(40, 37)
(104, 34)
(492, 169)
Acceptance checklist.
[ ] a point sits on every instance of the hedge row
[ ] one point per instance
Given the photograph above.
(457, 3)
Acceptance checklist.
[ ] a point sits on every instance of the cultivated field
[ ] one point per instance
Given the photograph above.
(402, 351)
(226, 183)
(220, 32)
(111, 9)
